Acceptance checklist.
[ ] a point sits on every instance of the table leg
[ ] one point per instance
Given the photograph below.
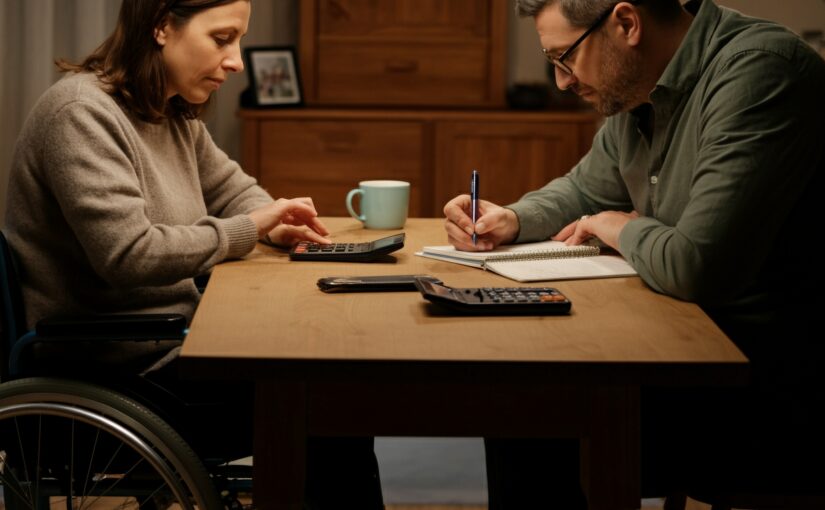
(279, 445)
(610, 455)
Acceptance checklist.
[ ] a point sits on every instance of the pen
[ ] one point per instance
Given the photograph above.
(474, 202)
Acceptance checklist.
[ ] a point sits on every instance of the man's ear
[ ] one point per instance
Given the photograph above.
(628, 23)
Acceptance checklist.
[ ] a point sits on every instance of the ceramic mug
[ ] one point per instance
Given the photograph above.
(383, 204)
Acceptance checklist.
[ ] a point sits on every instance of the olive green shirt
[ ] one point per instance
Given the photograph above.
(728, 182)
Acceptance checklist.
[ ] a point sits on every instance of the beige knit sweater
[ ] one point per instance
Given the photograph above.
(107, 213)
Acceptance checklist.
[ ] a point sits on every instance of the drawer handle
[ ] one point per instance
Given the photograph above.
(339, 146)
(339, 142)
(401, 66)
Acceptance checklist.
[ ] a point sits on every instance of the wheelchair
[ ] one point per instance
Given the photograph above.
(79, 434)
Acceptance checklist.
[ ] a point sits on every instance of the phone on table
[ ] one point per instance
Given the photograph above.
(384, 283)
(347, 252)
(496, 300)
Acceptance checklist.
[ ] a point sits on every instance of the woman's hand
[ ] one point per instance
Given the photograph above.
(494, 226)
(606, 225)
(289, 235)
(295, 212)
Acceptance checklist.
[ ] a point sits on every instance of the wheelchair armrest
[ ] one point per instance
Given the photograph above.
(136, 327)
(70, 331)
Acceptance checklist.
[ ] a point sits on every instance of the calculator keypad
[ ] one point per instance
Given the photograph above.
(496, 300)
(335, 248)
(520, 295)
(347, 252)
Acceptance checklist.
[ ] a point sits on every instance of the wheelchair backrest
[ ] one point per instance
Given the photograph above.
(13, 318)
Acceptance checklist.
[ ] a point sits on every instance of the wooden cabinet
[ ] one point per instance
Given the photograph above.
(323, 153)
(403, 52)
(327, 158)
(513, 153)
(373, 56)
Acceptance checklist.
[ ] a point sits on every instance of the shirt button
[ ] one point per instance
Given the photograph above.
(654, 179)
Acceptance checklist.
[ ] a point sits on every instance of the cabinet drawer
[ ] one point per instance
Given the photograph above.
(326, 159)
(402, 74)
(454, 19)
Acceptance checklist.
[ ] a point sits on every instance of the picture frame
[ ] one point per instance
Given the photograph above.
(274, 78)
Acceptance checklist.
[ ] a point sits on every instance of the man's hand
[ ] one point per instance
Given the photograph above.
(495, 225)
(606, 225)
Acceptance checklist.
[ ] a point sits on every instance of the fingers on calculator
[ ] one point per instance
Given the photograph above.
(347, 252)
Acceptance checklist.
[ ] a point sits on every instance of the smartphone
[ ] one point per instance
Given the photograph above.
(388, 283)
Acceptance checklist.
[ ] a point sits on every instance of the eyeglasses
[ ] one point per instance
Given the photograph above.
(559, 61)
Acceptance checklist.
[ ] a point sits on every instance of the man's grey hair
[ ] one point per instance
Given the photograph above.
(580, 13)
(583, 13)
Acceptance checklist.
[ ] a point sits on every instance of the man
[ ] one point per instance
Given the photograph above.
(707, 177)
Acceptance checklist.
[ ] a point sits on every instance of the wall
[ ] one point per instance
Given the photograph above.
(33, 33)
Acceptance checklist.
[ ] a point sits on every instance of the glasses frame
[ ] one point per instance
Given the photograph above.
(559, 61)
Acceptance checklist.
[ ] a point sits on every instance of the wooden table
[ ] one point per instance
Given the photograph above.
(389, 364)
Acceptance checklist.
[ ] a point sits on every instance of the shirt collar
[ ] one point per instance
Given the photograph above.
(684, 69)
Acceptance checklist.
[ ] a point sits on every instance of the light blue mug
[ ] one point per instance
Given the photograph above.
(383, 205)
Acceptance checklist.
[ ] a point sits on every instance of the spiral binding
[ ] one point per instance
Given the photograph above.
(570, 252)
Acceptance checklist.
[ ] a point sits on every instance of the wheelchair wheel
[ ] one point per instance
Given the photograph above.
(69, 444)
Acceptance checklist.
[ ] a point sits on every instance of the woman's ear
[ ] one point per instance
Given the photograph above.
(162, 33)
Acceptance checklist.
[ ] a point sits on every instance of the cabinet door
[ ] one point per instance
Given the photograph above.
(325, 159)
(512, 157)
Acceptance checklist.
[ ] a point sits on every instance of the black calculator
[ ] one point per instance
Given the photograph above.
(347, 252)
(496, 300)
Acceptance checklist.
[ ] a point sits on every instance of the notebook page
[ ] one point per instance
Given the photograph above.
(600, 266)
(451, 254)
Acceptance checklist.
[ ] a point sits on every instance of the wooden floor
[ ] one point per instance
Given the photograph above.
(652, 505)
(691, 505)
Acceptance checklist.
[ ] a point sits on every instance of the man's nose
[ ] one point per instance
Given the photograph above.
(564, 80)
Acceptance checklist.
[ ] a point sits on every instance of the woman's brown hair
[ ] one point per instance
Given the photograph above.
(129, 60)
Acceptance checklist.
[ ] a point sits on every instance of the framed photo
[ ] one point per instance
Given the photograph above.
(273, 76)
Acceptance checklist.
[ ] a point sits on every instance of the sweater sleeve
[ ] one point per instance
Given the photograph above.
(227, 190)
(98, 189)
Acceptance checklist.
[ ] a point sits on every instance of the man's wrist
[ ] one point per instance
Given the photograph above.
(513, 225)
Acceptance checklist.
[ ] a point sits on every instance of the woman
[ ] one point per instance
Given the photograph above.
(118, 196)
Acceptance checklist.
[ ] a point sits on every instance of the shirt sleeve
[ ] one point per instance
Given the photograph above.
(593, 185)
(759, 149)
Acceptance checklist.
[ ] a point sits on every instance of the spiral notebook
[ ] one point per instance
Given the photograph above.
(533, 262)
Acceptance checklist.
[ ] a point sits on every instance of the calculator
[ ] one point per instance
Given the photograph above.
(496, 300)
(347, 252)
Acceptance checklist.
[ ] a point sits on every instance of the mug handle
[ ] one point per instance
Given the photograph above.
(350, 196)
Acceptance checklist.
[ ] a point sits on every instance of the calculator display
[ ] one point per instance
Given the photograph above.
(385, 242)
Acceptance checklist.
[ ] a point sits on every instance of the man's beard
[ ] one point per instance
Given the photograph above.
(620, 75)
